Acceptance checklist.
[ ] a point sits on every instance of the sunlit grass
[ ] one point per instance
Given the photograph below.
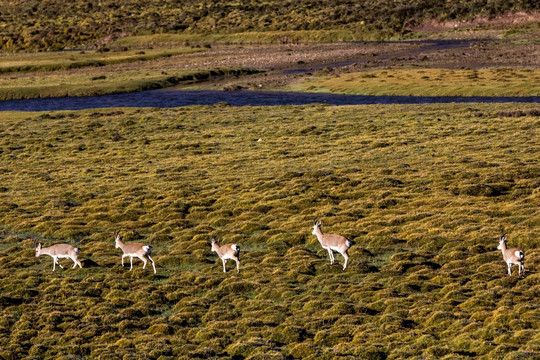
(99, 82)
(50, 61)
(423, 191)
(428, 82)
(255, 37)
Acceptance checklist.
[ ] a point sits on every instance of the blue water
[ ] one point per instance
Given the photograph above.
(175, 98)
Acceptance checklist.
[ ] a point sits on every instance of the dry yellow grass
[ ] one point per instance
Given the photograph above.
(428, 82)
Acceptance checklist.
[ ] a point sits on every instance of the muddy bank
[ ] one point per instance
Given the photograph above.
(285, 64)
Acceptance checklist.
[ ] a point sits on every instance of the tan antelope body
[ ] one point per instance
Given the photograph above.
(227, 251)
(332, 242)
(512, 256)
(132, 250)
(60, 251)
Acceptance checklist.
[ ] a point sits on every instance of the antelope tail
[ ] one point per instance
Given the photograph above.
(147, 249)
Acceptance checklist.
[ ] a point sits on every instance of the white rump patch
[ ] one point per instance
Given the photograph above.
(235, 247)
(519, 254)
(146, 248)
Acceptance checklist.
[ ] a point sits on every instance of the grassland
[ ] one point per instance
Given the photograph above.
(254, 37)
(88, 84)
(52, 61)
(85, 24)
(424, 191)
(431, 82)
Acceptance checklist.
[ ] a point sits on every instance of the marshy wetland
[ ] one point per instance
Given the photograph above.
(423, 190)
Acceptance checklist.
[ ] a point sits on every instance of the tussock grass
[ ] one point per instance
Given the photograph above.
(428, 82)
(424, 278)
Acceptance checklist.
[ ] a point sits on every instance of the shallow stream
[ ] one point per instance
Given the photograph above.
(175, 98)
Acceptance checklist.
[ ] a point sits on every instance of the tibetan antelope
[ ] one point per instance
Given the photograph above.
(332, 243)
(227, 251)
(512, 256)
(134, 250)
(59, 251)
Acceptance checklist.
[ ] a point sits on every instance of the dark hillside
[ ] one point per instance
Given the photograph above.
(57, 24)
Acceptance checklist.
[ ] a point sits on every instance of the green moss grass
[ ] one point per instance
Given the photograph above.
(428, 82)
(254, 37)
(424, 278)
(58, 84)
(52, 61)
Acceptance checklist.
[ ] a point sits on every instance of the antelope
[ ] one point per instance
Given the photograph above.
(227, 251)
(332, 243)
(59, 251)
(134, 250)
(512, 256)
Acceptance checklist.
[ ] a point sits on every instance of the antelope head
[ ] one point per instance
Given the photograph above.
(502, 241)
(117, 239)
(38, 248)
(214, 243)
(316, 225)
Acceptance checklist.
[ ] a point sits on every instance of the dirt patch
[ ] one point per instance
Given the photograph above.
(287, 64)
